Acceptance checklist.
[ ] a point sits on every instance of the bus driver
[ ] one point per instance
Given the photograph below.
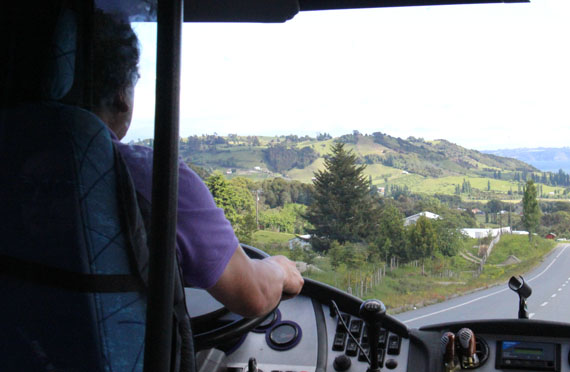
(208, 250)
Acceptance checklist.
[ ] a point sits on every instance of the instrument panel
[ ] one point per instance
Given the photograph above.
(304, 335)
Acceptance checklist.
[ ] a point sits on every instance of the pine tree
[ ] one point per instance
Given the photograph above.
(342, 207)
(531, 209)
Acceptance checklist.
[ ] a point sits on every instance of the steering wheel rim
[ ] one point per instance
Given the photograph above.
(230, 331)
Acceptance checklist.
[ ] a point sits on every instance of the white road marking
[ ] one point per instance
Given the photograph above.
(558, 255)
(544, 304)
(550, 264)
(482, 297)
(454, 307)
(564, 285)
(554, 295)
(530, 315)
(559, 289)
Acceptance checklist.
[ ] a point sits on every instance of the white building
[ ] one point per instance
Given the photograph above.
(483, 233)
(414, 218)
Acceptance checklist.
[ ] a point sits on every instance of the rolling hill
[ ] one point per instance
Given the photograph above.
(298, 157)
(417, 165)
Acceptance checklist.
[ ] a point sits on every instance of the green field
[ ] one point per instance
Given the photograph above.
(271, 237)
(446, 185)
(406, 286)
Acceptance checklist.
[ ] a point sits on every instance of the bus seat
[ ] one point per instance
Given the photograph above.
(71, 281)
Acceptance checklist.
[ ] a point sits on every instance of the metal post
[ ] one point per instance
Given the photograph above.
(158, 337)
(256, 209)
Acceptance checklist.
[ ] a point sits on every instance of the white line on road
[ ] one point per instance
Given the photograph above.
(554, 295)
(563, 248)
(564, 285)
(454, 307)
(550, 264)
(530, 315)
(559, 289)
(544, 304)
(482, 297)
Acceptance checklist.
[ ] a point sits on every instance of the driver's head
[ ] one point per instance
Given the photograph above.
(115, 71)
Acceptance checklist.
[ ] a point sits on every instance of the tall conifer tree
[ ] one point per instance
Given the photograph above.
(531, 209)
(342, 207)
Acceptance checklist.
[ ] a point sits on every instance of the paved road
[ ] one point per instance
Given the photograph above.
(550, 298)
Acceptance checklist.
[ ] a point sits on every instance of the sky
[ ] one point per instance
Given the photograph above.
(484, 77)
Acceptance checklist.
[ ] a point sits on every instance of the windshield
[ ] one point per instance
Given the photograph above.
(414, 155)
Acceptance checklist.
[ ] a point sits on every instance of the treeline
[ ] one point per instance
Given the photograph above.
(548, 178)
(281, 157)
(278, 192)
(274, 204)
(210, 142)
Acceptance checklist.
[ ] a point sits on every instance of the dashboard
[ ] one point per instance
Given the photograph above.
(305, 334)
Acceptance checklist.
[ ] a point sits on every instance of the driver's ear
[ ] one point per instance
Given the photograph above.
(121, 102)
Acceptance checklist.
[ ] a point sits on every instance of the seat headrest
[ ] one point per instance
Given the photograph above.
(39, 59)
(60, 68)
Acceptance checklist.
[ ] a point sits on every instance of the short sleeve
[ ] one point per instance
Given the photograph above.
(205, 238)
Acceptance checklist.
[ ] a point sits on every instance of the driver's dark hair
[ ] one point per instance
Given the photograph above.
(115, 58)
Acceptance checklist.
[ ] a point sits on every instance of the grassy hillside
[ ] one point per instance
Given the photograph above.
(446, 185)
(421, 166)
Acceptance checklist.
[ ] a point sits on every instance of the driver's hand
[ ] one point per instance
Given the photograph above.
(293, 281)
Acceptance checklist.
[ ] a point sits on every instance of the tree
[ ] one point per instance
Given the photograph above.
(237, 202)
(342, 207)
(448, 238)
(423, 239)
(531, 209)
(391, 240)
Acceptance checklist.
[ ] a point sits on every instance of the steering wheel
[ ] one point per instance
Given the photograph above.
(210, 337)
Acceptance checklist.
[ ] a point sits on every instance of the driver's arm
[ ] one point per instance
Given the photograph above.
(251, 287)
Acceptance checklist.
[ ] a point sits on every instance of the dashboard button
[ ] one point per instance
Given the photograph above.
(394, 342)
(382, 338)
(356, 327)
(361, 356)
(351, 348)
(339, 341)
(339, 326)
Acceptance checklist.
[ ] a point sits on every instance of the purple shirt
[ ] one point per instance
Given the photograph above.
(205, 238)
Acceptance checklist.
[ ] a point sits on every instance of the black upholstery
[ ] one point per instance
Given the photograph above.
(60, 214)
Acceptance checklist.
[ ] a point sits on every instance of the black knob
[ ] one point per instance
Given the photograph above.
(391, 364)
(372, 311)
(252, 365)
(341, 363)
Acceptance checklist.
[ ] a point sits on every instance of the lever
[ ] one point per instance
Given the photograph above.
(448, 348)
(467, 342)
(372, 312)
(252, 365)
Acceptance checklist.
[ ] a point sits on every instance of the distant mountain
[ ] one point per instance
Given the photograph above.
(543, 158)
